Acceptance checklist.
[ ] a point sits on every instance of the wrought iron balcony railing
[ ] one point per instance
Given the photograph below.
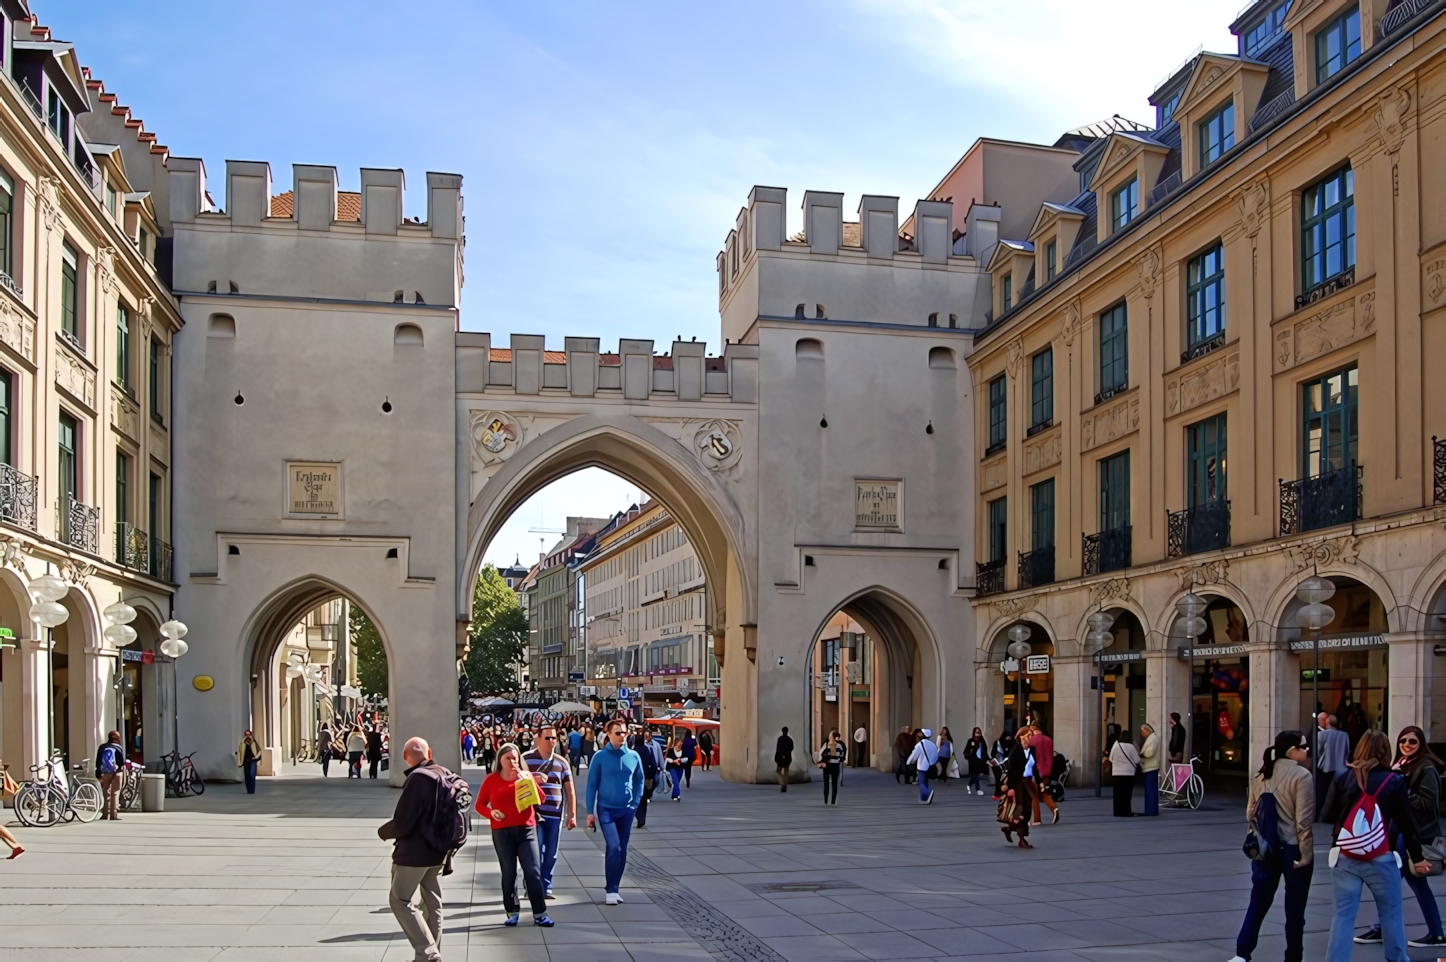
(160, 561)
(1320, 502)
(17, 497)
(1036, 567)
(1107, 550)
(989, 579)
(132, 548)
(1438, 449)
(1202, 347)
(1402, 14)
(80, 525)
(1205, 527)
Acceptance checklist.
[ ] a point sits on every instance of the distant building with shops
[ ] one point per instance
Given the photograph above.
(645, 600)
(554, 612)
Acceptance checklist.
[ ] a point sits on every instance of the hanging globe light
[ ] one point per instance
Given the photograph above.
(1018, 642)
(1315, 616)
(1101, 621)
(119, 635)
(1191, 605)
(173, 647)
(1315, 590)
(49, 588)
(49, 614)
(173, 629)
(119, 613)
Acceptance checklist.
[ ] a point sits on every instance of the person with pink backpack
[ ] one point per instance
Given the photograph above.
(1366, 803)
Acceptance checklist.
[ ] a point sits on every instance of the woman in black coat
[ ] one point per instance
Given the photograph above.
(976, 756)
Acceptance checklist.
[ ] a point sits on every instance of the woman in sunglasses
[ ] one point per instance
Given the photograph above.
(1421, 769)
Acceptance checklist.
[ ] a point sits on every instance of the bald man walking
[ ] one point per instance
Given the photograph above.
(416, 862)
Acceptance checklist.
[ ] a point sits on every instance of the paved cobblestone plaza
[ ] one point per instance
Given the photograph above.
(734, 872)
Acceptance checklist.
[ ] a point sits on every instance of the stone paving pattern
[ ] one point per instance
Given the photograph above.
(734, 872)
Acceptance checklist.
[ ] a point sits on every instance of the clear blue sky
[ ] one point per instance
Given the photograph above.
(607, 147)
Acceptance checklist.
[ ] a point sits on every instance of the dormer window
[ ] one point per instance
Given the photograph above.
(1217, 134)
(59, 116)
(1008, 291)
(1125, 203)
(1264, 31)
(1167, 109)
(1337, 44)
(1051, 260)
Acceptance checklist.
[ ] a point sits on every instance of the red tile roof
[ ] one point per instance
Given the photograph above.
(120, 110)
(348, 205)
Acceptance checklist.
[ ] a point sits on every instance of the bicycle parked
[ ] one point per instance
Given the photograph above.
(130, 789)
(52, 795)
(1182, 785)
(181, 776)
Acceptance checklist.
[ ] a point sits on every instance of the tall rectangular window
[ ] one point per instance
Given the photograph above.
(69, 470)
(59, 118)
(1114, 351)
(1051, 260)
(998, 428)
(1217, 134)
(1115, 492)
(1041, 388)
(7, 408)
(1337, 44)
(1205, 296)
(1125, 203)
(69, 291)
(1008, 291)
(998, 528)
(1205, 443)
(123, 346)
(110, 198)
(122, 487)
(1328, 228)
(153, 381)
(153, 508)
(1331, 429)
(1041, 515)
(1265, 30)
(7, 207)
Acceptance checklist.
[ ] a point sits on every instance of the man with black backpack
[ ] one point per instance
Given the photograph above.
(429, 824)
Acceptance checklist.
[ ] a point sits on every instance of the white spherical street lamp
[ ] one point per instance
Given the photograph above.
(1019, 650)
(1313, 615)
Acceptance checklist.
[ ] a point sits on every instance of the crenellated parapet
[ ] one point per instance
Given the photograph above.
(633, 372)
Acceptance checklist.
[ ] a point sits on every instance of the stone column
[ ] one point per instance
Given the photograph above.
(1074, 711)
(1274, 695)
(35, 696)
(1409, 680)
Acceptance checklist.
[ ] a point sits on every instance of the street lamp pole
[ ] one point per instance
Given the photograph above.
(1096, 639)
(1019, 650)
(1314, 592)
(1190, 608)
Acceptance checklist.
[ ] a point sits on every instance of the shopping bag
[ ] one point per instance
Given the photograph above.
(526, 793)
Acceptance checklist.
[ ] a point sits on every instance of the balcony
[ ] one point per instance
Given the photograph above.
(1036, 567)
(1402, 14)
(1205, 527)
(1320, 502)
(132, 547)
(989, 579)
(1201, 348)
(80, 525)
(17, 497)
(1326, 288)
(1104, 394)
(1107, 551)
(1439, 451)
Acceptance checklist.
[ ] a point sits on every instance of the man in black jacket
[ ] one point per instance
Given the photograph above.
(1177, 738)
(783, 758)
(415, 862)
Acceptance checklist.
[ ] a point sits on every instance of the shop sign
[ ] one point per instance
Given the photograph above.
(1036, 665)
(1326, 644)
(144, 657)
(1212, 651)
(1108, 656)
(624, 704)
(587, 691)
(830, 693)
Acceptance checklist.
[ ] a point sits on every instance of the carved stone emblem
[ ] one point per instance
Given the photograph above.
(76, 572)
(125, 415)
(75, 377)
(1013, 355)
(1340, 550)
(1210, 573)
(1148, 264)
(1042, 452)
(1253, 206)
(17, 330)
(717, 444)
(1113, 422)
(1390, 115)
(105, 268)
(1013, 607)
(49, 194)
(1071, 322)
(11, 554)
(1436, 280)
(1111, 590)
(994, 474)
(1325, 330)
(495, 435)
(1203, 383)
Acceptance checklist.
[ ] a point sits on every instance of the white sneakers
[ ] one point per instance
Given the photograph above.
(614, 898)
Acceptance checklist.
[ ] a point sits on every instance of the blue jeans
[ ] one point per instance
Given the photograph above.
(1152, 793)
(1265, 878)
(1422, 888)
(1384, 880)
(249, 769)
(616, 824)
(549, 831)
(976, 783)
(676, 774)
(923, 784)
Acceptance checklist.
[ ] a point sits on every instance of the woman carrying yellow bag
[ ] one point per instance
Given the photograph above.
(509, 798)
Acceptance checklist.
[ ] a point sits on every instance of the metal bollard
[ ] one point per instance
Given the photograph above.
(153, 793)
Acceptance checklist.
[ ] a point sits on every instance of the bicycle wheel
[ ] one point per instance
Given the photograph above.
(38, 807)
(194, 782)
(86, 803)
(1194, 792)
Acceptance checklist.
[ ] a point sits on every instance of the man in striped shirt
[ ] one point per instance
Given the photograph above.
(544, 759)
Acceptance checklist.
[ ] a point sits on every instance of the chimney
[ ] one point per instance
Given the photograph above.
(444, 204)
(313, 196)
(981, 227)
(381, 200)
(188, 188)
(248, 192)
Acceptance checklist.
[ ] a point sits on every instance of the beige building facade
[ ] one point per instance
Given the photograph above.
(1210, 371)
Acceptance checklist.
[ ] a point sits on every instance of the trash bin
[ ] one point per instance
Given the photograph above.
(153, 793)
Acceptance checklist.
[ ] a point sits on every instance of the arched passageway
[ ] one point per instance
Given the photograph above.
(1344, 668)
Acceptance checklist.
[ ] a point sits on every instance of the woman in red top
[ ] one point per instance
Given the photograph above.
(514, 834)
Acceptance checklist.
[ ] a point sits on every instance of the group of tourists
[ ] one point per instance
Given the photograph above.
(529, 798)
(360, 741)
(1384, 811)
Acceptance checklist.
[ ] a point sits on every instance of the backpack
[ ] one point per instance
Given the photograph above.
(447, 829)
(1263, 839)
(1363, 833)
(108, 760)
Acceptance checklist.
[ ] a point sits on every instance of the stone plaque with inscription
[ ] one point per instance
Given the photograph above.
(878, 504)
(313, 488)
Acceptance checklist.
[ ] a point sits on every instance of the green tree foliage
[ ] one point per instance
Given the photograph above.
(371, 655)
(499, 636)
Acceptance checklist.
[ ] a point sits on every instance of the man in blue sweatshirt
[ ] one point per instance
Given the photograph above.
(614, 789)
